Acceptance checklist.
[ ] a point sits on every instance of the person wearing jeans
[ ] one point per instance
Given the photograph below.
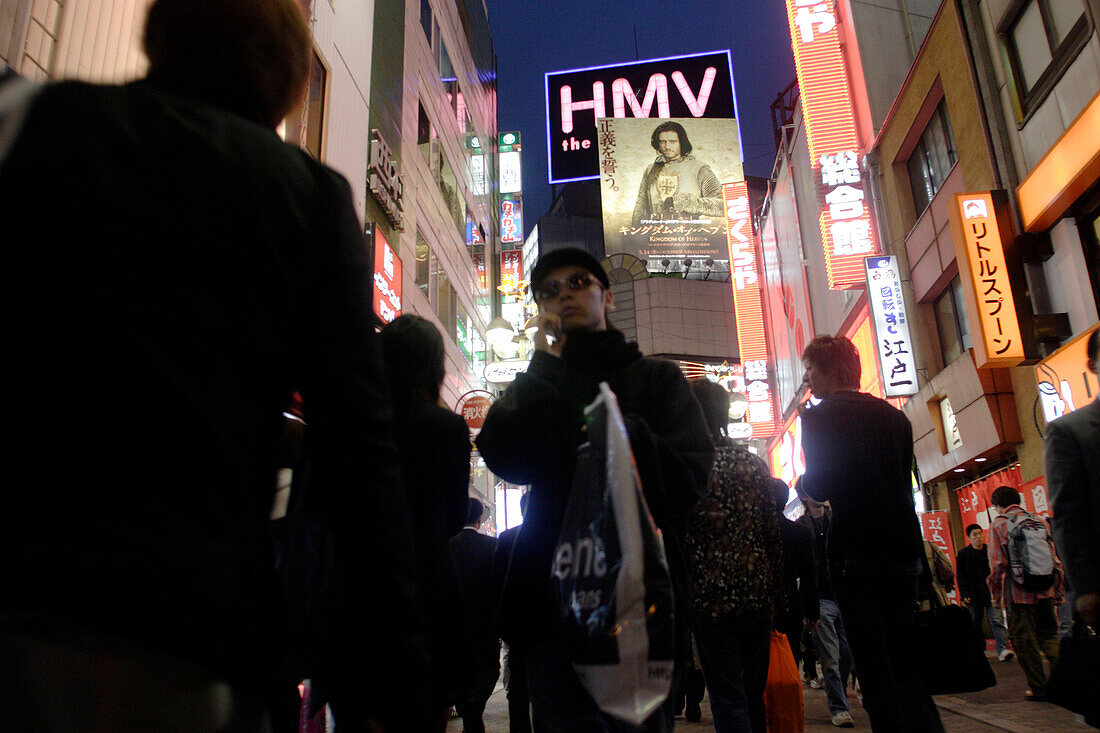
(972, 562)
(836, 661)
(734, 653)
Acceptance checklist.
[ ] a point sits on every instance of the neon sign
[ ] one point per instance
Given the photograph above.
(894, 344)
(748, 307)
(846, 232)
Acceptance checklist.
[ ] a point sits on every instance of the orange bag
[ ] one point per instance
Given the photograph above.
(783, 694)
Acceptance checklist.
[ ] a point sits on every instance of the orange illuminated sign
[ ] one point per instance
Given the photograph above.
(748, 306)
(1070, 167)
(981, 222)
(847, 235)
(1065, 383)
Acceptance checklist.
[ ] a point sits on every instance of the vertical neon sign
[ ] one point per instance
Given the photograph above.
(846, 232)
(748, 306)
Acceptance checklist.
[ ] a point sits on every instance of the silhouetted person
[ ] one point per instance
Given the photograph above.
(515, 656)
(800, 612)
(472, 553)
(972, 563)
(181, 272)
(434, 444)
(859, 458)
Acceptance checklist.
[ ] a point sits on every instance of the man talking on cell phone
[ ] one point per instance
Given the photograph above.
(530, 437)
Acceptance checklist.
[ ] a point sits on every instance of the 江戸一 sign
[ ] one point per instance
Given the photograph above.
(894, 344)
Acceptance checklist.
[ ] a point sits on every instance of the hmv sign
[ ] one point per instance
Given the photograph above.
(697, 85)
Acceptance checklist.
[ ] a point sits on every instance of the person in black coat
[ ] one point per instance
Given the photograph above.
(799, 575)
(530, 437)
(472, 554)
(515, 664)
(972, 564)
(182, 271)
(859, 458)
(435, 462)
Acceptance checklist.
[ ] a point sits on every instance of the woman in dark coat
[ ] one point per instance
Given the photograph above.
(435, 460)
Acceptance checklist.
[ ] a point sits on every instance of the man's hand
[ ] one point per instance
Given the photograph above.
(1088, 608)
(549, 327)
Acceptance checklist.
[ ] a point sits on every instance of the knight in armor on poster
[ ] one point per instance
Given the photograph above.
(676, 185)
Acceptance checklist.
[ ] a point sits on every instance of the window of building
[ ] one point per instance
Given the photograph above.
(1042, 37)
(305, 124)
(423, 264)
(931, 159)
(952, 322)
(426, 20)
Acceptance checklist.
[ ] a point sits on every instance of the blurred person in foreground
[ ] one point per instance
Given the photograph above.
(530, 436)
(972, 562)
(200, 271)
(1072, 458)
(1032, 613)
(859, 458)
(735, 569)
(514, 656)
(434, 444)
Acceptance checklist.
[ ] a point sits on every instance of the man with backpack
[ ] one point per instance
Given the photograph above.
(1026, 579)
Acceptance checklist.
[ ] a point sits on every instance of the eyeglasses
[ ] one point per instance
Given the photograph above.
(575, 282)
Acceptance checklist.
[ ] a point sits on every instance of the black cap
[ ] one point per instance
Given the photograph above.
(566, 257)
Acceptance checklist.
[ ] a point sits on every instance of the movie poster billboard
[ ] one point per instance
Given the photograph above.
(661, 188)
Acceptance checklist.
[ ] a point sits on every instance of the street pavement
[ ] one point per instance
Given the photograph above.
(1000, 708)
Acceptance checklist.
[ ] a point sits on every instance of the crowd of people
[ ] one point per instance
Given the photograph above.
(208, 272)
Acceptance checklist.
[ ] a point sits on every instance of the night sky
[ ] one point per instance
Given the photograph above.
(533, 37)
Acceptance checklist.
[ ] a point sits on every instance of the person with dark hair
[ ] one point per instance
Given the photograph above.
(676, 185)
(1032, 618)
(1072, 459)
(530, 436)
(972, 566)
(472, 554)
(859, 458)
(228, 272)
(434, 444)
(735, 573)
(829, 639)
(802, 609)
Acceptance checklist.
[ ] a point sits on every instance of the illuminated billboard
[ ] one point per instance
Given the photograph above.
(981, 222)
(661, 192)
(847, 234)
(748, 306)
(1065, 383)
(386, 291)
(511, 219)
(693, 86)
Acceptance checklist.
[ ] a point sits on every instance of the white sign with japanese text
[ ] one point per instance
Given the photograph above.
(893, 341)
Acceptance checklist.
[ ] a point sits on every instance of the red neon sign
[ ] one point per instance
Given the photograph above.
(386, 294)
(846, 232)
(748, 306)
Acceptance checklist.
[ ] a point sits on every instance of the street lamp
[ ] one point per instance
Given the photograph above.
(499, 333)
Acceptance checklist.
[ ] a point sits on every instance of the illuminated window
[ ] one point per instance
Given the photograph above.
(931, 159)
(952, 322)
(305, 125)
(1042, 38)
(423, 264)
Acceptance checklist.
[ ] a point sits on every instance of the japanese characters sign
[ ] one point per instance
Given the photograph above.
(936, 529)
(846, 232)
(386, 185)
(473, 407)
(748, 305)
(386, 289)
(511, 269)
(892, 338)
(979, 225)
(694, 86)
(511, 219)
(511, 176)
(1065, 383)
(661, 193)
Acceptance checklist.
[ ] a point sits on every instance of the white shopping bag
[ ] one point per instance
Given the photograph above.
(613, 582)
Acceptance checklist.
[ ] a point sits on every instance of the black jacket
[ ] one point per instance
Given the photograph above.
(972, 570)
(1072, 460)
(799, 577)
(181, 271)
(819, 531)
(472, 553)
(859, 458)
(530, 437)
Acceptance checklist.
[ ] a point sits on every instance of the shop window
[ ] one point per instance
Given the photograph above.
(952, 322)
(423, 264)
(1042, 38)
(931, 159)
(306, 123)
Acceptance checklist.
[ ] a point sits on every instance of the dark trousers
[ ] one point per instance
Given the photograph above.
(734, 653)
(877, 602)
(515, 683)
(1034, 633)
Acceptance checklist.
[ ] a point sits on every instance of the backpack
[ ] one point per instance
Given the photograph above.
(1030, 552)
